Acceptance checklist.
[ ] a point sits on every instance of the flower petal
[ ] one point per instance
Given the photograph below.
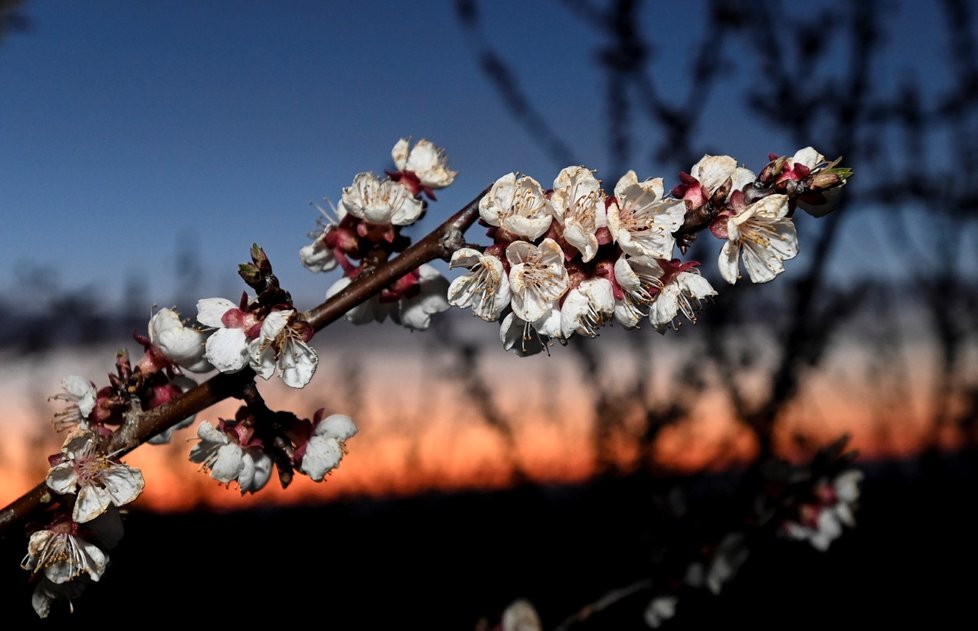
(211, 310)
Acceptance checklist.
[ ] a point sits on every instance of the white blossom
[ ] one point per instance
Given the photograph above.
(520, 615)
(63, 555)
(81, 395)
(712, 172)
(426, 161)
(327, 445)
(428, 297)
(227, 347)
(98, 481)
(317, 256)
(764, 235)
(279, 347)
(587, 307)
(181, 344)
(529, 338)
(485, 288)
(381, 201)
(661, 608)
(820, 524)
(639, 279)
(640, 221)
(517, 205)
(578, 204)
(684, 293)
(537, 277)
(228, 461)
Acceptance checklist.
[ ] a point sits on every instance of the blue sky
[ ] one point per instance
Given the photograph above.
(126, 127)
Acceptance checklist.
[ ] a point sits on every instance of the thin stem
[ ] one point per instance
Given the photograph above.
(440, 243)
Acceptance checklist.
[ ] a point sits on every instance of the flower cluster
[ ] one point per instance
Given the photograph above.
(243, 449)
(819, 519)
(365, 230)
(570, 259)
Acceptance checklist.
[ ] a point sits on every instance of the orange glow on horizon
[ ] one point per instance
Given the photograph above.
(438, 441)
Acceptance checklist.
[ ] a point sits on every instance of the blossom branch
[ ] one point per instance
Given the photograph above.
(440, 243)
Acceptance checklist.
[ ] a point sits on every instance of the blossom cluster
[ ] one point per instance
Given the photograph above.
(365, 230)
(570, 259)
(243, 449)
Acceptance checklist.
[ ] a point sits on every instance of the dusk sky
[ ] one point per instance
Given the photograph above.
(126, 127)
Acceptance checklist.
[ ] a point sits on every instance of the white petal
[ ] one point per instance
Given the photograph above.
(400, 154)
(729, 266)
(664, 308)
(228, 464)
(227, 350)
(742, 177)
(274, 323)
(661, 608)
(82, 392)
(808, 157)
(415, 311)
(211, 310)
(465, 257)
(123, 483)
(339, 426)
(323, 454)
(847, 485)
(713, 171)
(297, 363)
(316, 257)
(62, 479)
(91, 502)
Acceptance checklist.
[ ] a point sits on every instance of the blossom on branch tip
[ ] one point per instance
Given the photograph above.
(326, 446)
(485, 288)
(380, 201)
(422, 169)
(578, 204)
(529, 338)
(517, 205)
(640, 221)
(537, 277)
(763, 234)
(181, 344)
(232, 454)
(98, 481)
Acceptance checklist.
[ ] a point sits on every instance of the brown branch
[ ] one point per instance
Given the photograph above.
(440, 243)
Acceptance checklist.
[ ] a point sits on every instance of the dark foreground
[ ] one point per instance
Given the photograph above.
(444, 561)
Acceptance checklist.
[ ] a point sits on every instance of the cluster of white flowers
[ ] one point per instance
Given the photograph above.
(820, 522)
(368, 220)
(572, 259)
(232, 452)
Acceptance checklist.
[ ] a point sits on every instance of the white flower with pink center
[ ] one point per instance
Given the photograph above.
(280, 346)
(227, 348)
(381, 201)
(518, 205)
(683, 291)
(640, 221)
(578, 204)
(231, 454)
(484, 289)
(763, 235)
(81, 396)
(820, 522)
(423, 167)
(98, 481)
(537, 278)
(62, 555)
(638, 280)
(181, 344)
(326, 446)
(587, 307)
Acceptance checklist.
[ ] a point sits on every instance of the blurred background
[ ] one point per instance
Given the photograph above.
(144, 146)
